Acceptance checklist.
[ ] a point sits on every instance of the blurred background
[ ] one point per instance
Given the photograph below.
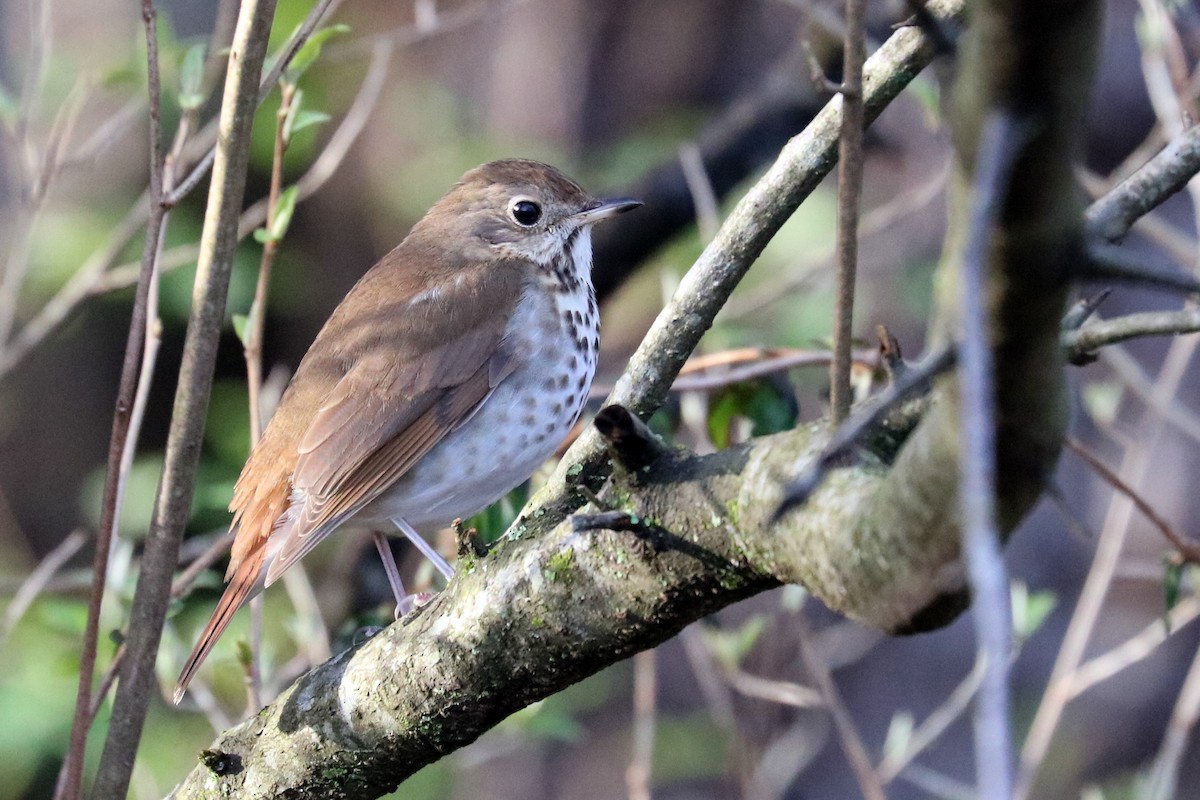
(681, 103)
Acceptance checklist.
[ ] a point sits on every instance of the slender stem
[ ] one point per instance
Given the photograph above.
(252, 351)
(645, 689)
(218, 241)
(72, 784)
(850, 170)
(852, 744)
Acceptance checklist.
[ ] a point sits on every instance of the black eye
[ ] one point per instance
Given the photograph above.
(526, 212)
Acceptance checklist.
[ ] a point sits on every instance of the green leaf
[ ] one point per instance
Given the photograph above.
(1030, 609)
(241, 322)
(244, 656)
(1172, 582)
(302, 120)
(729, 647)
(191, 76)
(899, 734)
(310, 51)
(283, 212)
(1102, 399)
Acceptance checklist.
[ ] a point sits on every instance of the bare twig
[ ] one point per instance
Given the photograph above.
(281, 62)
(1113, 215)
(1164, 776)
(321, 170)
(191, 403)
(843, 723)
(850, 169)
(1135, 378)
(1091, 337)
(799, 169)
(122, 419)
(645, 682)
(1104, 564)
(999, 147)
(873, 221)
(32, 586)
(75, 290)
(785, 693)
(1188, 551)
(704, 197)
(914, 381)
(934, 725)
(1134, 649)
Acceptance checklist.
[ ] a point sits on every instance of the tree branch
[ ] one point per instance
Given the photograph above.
(218, 241)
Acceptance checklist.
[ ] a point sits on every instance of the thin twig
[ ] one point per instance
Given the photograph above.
(999, 147)
(801, 166)
(36, 581)
(122, 418)
(1188, 551)
(850, 170)
(785, 693)
(75, 290)
(282, 60)
(318, 174)
(645, 688)
(934, 725)
(843, 723)
(1164, 776)
(1113, 215)
(1136, 648)
(914, 380)
(172, 505)
(704, 197)
(1135, 378)
(1091, 337)
(1108, 550)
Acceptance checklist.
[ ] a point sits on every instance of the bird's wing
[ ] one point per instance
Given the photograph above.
(392, 406)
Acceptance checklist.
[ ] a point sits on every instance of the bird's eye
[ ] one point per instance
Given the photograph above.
(526, 212)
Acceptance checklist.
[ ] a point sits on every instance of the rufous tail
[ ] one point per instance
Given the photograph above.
(241, 584)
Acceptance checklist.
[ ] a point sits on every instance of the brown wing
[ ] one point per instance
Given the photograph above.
(372, 431)
(395, 368)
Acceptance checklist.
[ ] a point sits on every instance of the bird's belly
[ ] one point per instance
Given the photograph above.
(514, 430)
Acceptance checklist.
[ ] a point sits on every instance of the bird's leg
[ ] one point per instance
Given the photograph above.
(426, 549)
(404, 603)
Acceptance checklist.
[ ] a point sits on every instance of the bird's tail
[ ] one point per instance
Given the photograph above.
(246, 578)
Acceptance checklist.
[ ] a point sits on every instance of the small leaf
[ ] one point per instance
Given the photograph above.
(283, 212)
(244, 656)
(1102, 399)
(899, 734)
(310, 51)
(241, 322)
(302, 120)
(1172, 582)
(191, 76)
(730, 647)
(1030, 609)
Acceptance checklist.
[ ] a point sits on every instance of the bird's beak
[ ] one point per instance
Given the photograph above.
(604, 209)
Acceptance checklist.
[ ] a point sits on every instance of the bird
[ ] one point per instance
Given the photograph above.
(449, 372)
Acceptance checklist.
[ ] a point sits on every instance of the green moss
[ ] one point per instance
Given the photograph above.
(559, 566)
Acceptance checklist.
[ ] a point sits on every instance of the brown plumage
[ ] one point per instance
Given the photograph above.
(413, 351)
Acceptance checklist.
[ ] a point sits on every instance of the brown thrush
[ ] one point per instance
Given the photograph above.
(450, 371)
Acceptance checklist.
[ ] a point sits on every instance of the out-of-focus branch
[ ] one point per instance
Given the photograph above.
(1085, 341)
(1113, 215)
